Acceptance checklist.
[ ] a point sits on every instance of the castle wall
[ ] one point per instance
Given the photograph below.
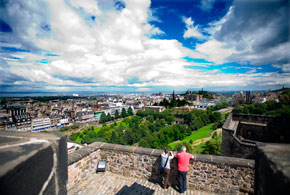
(272, 169)
(209, 173)
(233, 147)
(241, 132)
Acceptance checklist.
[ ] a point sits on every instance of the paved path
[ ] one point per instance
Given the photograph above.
(110, 183)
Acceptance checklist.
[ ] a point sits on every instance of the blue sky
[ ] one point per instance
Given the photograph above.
(143, 45)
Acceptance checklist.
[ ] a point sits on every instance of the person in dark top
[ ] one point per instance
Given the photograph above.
(166, 156)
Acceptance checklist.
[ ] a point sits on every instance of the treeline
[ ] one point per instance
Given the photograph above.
(207, 94)
(172, 103)
(273, 108)
(150, 129)
(107, 117)
(192, 121)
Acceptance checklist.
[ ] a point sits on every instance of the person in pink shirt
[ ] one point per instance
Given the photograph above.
(183, 162)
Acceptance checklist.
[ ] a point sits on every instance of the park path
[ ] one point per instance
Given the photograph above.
(203, 140)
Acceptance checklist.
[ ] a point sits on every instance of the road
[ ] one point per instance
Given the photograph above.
(225, 109)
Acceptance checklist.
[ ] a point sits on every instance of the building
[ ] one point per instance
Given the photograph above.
(5, 119)
(192, 97)
(248, 97)
(155, 108)
(41, 124)
(21, 120)
(85, 115)
(238, 98)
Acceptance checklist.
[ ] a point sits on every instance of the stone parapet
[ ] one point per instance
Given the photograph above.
(272, 169)
(207, 172)
(32, 163)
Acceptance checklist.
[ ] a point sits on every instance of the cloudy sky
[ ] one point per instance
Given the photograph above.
(143, 45)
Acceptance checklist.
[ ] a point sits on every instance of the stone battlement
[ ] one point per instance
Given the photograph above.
(216, 174)
(241, 133)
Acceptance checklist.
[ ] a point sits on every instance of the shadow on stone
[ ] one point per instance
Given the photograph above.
(135, 188)
(156, 177)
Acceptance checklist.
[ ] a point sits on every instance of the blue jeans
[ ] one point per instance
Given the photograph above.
(182, 181)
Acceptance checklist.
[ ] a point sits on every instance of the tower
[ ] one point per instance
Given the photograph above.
(173, 95)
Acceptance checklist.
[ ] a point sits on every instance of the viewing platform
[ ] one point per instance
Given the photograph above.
(38, 163)
(111, 183)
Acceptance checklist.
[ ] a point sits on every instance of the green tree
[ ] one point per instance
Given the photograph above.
(212, 147)
(215, 116)
(117, 115)
(140, 113)
(179, 146)
(150, 118)
(103, 118)
(124, 113)
(130, 111)
(74, 136)
(109, 118)
(114, 137)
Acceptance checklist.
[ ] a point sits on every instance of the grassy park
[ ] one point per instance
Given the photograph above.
(198, 134)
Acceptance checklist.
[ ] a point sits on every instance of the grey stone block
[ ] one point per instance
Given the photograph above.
(146, 151)
(57, 145)
(27, 168)
(108, 146)
(157, 152)
(95, 146)
(61, 168)
(204, 158)
(272, 169)
(122, 148)
(78, 155)
(50, 189)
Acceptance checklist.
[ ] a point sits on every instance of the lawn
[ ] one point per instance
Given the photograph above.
(198, 134)
(199, 148)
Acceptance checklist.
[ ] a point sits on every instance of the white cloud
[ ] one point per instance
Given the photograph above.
(115, 48)
(284, 67)
(192, 31)
(258, 30)
(207, 5)
(215, 51)
(89, 6)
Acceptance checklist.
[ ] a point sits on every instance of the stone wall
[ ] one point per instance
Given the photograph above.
(208, 173)
(263, 128)
(272, 169)
(32, 163)
(233, 147)
(241, 132)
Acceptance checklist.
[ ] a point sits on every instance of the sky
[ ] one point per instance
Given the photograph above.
(143, 45)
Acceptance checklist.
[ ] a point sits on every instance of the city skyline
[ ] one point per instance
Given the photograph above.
(144, 45)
